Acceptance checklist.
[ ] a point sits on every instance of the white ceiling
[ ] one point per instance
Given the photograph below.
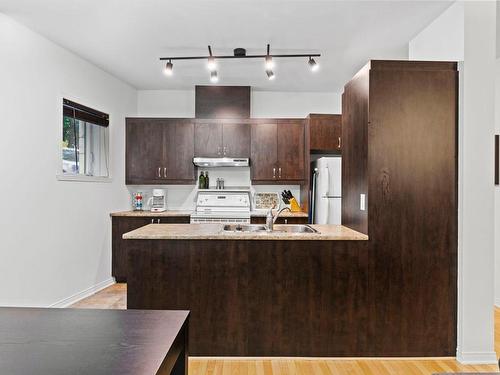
(126, 37)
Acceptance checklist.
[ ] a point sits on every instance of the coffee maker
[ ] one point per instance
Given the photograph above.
(158, 202)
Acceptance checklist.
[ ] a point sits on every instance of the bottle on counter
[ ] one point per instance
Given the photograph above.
(137, 201)
(207, 180)
(201, 181)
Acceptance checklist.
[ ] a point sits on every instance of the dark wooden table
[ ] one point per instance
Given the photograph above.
(74, 341)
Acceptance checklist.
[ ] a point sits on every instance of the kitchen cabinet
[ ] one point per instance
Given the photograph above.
(325, 132)
(222, 140)
(124, 224)
(236, 140)
(399, 125)
(208, 140)
(291, 150)
(179, 151)
(159, 151)
(277, 151)
(264, 151)
(143, 150)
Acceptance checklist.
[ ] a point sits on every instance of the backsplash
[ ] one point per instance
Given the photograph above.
(182, 197)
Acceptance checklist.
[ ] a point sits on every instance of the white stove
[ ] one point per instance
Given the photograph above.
(219, 206)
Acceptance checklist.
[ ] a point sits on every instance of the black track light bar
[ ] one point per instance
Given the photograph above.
(238, 57)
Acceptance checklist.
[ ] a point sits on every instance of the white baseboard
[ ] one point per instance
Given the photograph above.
(477, 358)
(83, 294)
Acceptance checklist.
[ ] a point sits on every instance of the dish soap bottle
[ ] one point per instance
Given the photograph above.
(201, 181)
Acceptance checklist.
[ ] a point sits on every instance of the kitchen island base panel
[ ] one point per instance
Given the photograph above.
(289, 298)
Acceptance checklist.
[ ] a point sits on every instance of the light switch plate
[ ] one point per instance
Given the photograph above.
(362, 202)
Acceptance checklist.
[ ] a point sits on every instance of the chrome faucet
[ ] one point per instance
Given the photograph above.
(270, 219)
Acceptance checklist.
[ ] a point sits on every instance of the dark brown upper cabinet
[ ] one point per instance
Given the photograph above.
(325, 133)
(291, 149)
(159, 151)
(264, 151)
(236, 140)
(208, 140)
(222, 102)
(278, 151)
(222, 140)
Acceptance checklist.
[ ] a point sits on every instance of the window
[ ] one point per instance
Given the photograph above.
(84, 141)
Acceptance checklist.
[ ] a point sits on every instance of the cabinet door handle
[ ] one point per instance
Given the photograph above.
(340, 143)
(159, 172)
(279, 172)
(158, 221)
(152, 221)
(165, 172)
(274, 172)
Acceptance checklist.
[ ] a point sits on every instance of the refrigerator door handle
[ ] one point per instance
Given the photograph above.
(313, 195)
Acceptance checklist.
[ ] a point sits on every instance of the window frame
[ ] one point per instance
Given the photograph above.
(60, 176)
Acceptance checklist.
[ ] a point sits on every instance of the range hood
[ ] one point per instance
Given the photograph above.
(221, 162)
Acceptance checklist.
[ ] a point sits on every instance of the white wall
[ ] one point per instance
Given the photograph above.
(444, 39)
(497, 188)
(180, 103)
(294, 104)
(55, 236)
(165, 103)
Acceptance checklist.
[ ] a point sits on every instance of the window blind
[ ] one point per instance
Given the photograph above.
(83, 113)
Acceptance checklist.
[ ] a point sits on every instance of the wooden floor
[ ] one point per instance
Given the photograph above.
(115, 297)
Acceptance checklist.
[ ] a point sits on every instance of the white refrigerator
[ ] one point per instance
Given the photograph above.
(326, 192)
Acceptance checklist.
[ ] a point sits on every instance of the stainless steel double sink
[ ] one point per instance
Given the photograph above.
(285, 228)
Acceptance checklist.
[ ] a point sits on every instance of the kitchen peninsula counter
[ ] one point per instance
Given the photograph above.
(216, 232)
(255, 294)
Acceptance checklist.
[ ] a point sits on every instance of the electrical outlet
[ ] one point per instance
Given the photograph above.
(362, 202)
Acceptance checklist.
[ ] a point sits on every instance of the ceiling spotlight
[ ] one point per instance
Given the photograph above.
(269, 63)
(213, 77)
(211, 60)
(211, 65)
(312, 64)
(269, 60)
(270, 74)
(169, 68)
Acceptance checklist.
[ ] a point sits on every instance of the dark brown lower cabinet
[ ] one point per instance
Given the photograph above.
(293, 298)
(124, 224)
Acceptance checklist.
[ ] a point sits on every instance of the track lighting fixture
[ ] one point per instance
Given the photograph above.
(269, 60)
(312, 64)
(213, 77)
(240, 53)
(169, 68)
(211, 60)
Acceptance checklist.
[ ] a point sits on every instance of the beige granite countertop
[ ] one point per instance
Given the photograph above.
(263, 213)
(216, 232)
(147, 213)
